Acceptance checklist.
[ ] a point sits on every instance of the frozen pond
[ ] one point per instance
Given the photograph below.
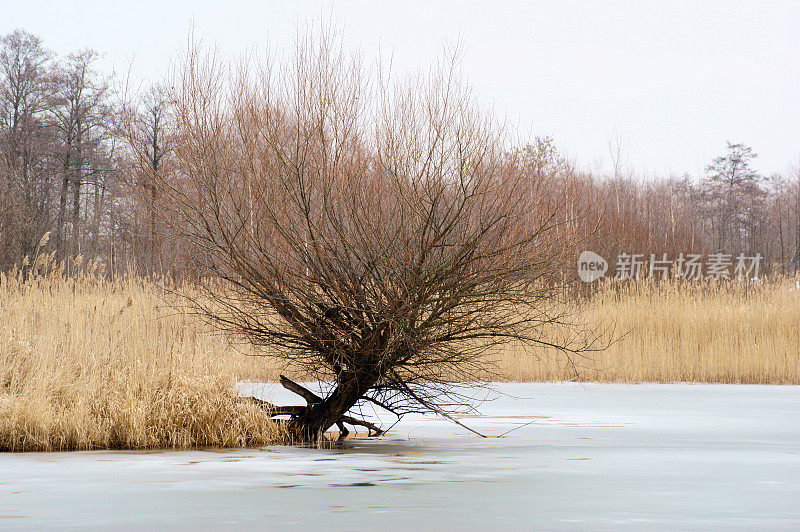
(591, 456)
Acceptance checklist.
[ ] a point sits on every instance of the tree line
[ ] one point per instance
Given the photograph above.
(68, 142)
(730, 208)
(64, 160)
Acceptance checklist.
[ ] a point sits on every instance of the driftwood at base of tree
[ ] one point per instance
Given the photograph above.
(311, 398)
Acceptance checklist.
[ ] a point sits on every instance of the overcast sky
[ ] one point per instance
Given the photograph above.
(672, 80)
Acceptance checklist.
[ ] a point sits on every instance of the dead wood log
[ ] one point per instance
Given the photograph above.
(374, 430)
(310, 397)
(276, 410)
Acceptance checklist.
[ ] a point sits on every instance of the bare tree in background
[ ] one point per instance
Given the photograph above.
(83, 121)
(734, 189)
(25, 179)
(375, 234)
(796, 176)
(148, 116)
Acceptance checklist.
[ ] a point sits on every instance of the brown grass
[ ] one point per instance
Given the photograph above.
(680, 333)
(87, 363)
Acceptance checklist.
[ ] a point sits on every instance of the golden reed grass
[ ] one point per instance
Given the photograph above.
(671, 332)
(88, 363)
(91, 363)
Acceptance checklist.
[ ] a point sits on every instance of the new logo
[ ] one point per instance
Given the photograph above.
(591, 266)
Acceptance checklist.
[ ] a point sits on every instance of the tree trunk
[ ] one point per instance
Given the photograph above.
(27, 245)
(780, 236)
(76, 199)
(97, 217)
(62, 204)
(319, 417)
(797, 232)
(152, 185)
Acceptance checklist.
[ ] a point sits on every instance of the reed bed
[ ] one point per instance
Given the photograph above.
(678, 332)
(90, 363)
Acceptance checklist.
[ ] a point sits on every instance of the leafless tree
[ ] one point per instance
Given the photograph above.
(734, 190)
(83, 121)
(24, 144)
(147, 115)
(796, 176)
(376, 234)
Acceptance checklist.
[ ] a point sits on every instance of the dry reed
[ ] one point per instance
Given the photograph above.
(670, 332)
(88, 363)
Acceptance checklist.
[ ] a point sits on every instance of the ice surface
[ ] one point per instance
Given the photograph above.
(590, 456)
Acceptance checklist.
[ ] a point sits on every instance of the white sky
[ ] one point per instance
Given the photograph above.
(672, 80)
